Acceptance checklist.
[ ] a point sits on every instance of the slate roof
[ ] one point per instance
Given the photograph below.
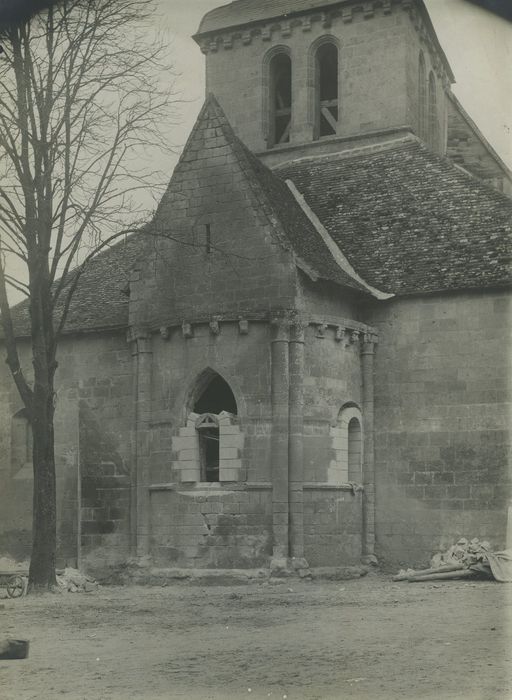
(408, 220)
(99, 300)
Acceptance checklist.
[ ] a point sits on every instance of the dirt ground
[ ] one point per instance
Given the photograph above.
(298, 640)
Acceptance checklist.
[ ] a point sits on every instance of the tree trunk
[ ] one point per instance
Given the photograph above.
(44, 523)
(44, 527)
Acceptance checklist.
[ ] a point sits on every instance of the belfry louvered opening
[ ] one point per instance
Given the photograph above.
(280, 99)
(327, 90)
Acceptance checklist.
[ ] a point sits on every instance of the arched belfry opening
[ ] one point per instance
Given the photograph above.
(280, 101)
(422, 98)
(432, 112)
(327, 90)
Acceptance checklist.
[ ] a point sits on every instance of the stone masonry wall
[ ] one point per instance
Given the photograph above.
(225, 258)
(332, 512)
(92, 369)
(105, 490)
(442, 423)
(333, 379)
(212, 527)
(332, 526)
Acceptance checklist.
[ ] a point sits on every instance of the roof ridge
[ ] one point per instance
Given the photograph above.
(107, 251)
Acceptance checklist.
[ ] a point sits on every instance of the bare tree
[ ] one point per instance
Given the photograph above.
(81, 97)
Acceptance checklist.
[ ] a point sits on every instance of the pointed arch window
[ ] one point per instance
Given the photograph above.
(327, 90)
(280, 99)
(216, 396)
(422, 98)
(432, 111)
(208, 448)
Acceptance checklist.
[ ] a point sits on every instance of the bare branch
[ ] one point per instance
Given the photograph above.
(13, 359)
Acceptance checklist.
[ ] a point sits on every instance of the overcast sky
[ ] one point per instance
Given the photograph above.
(477, 43)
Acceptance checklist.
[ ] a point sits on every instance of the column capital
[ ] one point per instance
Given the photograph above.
(187, 329)
(214, 325)
(298, 330)
(369, 341)
(280, 326)
(139, 337)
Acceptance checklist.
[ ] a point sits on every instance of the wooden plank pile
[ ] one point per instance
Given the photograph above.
(463, 560)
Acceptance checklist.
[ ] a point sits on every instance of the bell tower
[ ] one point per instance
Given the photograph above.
(301, 76)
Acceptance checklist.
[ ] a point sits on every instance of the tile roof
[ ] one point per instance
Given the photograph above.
(99, 301)
(409, 221)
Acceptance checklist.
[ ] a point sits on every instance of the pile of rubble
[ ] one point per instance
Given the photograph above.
(464, 560)
(74, 581)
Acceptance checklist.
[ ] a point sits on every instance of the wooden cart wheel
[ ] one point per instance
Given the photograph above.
(15, 587)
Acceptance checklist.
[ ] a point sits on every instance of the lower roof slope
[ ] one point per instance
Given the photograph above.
(100, 300)
(409, 221)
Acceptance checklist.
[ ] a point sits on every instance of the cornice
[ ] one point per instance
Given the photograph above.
(277, 28)
(284, 27)
(285, 325)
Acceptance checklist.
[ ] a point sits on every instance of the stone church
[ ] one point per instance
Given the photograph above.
(306, 353)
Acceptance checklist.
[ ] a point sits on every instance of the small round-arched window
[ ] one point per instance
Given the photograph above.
(355, 451)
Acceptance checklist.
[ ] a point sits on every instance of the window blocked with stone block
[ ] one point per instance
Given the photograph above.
(209, 448)
(347, 446)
